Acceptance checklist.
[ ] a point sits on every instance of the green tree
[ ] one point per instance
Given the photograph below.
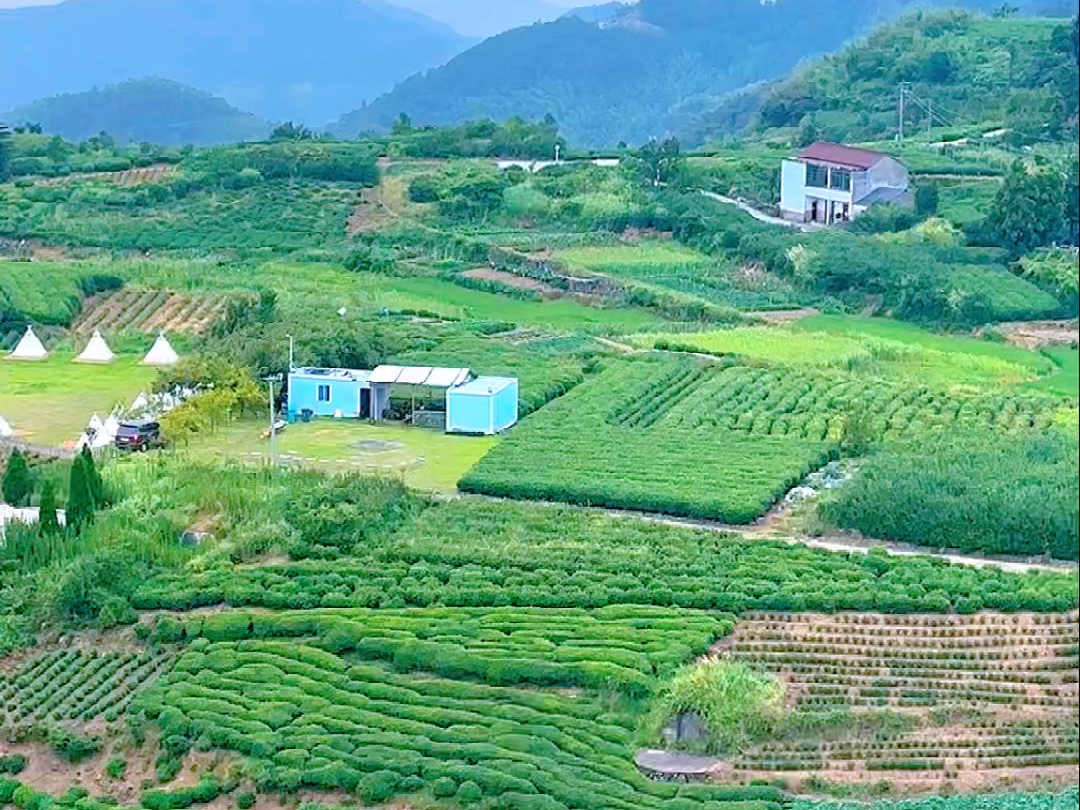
(660, 162)
(808, 132)
(291, 132)
(1030, 209)
(48, 524)
(5, 153)
(80, 503)
(97, 486)
(18, 483)
(926, 200)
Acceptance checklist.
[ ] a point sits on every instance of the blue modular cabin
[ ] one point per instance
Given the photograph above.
(486, 405)
(483, 405)
(338, 392)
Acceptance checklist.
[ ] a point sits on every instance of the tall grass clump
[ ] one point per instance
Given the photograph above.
(737, 704)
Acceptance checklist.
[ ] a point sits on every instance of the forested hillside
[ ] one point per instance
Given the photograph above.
(280, 59)
(961, 70)
(650, 72)
(157, 111)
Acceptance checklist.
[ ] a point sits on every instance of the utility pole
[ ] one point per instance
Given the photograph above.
(558, 151)
(903, 93)
(291, 365)
(929, 114)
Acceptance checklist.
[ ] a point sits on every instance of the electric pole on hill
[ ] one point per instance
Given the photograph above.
(903, 93)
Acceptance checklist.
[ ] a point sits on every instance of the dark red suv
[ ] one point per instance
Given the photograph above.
(141, 435)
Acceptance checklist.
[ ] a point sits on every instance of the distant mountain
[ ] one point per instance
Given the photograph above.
(652, 70)
(483, 18)
(155, 110)
(604, 13)
(305, 60)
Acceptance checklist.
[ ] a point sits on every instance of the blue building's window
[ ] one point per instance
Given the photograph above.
(323, 393)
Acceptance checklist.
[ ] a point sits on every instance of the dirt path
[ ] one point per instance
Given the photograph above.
(760, 216)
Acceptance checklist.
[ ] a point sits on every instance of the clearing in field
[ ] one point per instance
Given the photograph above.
(50, 402)
(924, 701)
(425, 459)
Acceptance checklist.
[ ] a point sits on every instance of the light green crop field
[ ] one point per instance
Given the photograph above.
(425, 459)
(50, 402)
(326, 288)
(877, 347)
(639, 257)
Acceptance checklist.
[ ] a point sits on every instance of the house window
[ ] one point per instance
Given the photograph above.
(817, 176)
(323, 393)
(840, 179)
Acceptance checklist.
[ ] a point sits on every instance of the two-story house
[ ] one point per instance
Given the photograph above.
(831, 183)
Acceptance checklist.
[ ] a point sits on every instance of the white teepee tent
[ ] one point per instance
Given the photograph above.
(29, 348)
(107, 435)
(6, 430)
(161, 353)
(140, 403)
(96, 351)
(95, 423)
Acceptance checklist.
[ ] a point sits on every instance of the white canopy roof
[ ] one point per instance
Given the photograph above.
(6, 430)
(161, 353)
(29, 348)
(420, 375)
(96, 351)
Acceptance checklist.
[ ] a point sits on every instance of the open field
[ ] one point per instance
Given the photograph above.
(50, 402)
(425, 459)
(946, 706)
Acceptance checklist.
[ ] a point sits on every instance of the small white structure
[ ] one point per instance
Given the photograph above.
(29, 516)
(107, 434)
(140, 403)
(96, 351)
(6, 430)
(29, 348)
(831, 183)
(161, 353)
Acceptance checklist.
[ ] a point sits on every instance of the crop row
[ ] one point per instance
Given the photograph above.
(77, 686)
(571, 452)
(620, 648)
(309, 717)
(473, 553)
(149, 311)
(784, 402)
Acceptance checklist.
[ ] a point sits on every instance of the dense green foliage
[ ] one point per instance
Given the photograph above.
(601, 445)
(976, 492)
(1014, 801)
(468, 553)
(963, 70)
(317, 718)
(17, 484)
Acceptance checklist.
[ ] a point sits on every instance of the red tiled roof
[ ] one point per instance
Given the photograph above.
(842, 155)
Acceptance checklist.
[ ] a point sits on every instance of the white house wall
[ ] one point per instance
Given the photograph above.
(793, 189)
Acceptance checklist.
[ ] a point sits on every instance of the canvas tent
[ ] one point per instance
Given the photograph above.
(29, 348)
(161, 353)
(107, 435)
(6, 431)
(96, 351)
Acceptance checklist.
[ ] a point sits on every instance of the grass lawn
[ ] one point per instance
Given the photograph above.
(634, 260)
(427, 459)
(50, 402)
(1066, 380)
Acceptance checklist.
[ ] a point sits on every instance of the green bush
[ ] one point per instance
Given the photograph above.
(73, 746)
(13, 764)
(443, 787)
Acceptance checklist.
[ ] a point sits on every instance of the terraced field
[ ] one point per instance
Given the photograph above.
(76, 687)
(972, 699)
(150, 311)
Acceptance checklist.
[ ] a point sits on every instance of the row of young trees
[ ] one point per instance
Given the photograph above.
(86, 492)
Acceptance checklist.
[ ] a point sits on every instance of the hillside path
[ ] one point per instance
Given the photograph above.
(760, 216)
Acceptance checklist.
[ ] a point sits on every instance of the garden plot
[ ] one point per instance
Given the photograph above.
(922, 699)
(150, 311)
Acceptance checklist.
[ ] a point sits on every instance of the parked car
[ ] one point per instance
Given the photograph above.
(139, 436)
